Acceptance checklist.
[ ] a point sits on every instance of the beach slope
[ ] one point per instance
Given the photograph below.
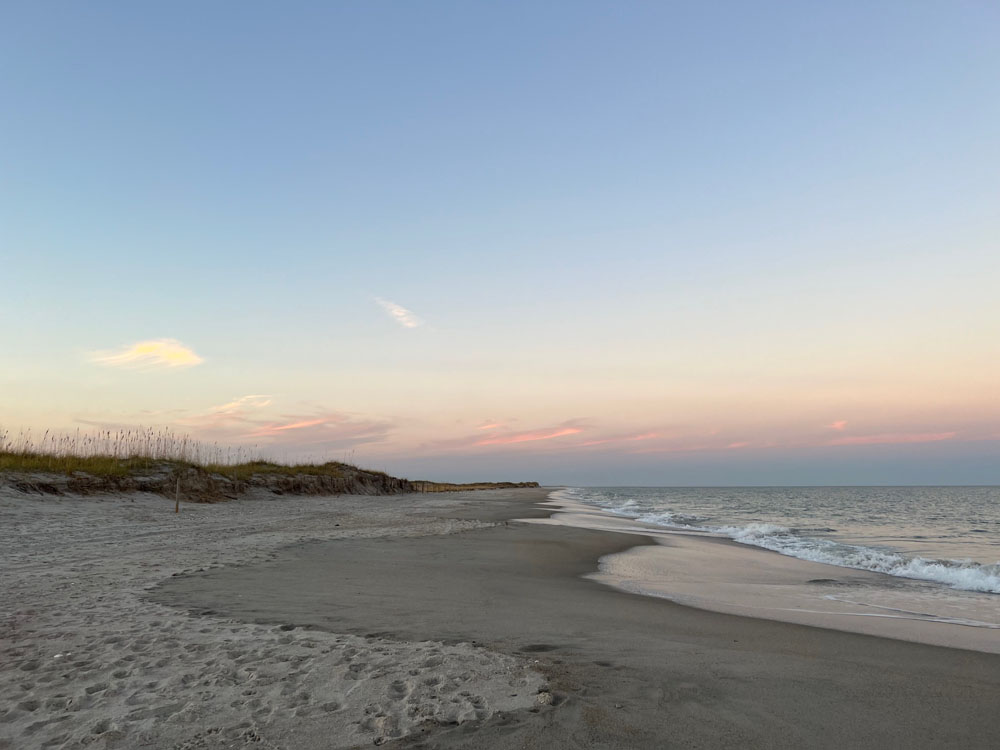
(622, 670)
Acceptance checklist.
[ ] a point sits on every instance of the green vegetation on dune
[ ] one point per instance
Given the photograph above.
(112, 466)
(124, 453)
(158, 461)
(98, 466)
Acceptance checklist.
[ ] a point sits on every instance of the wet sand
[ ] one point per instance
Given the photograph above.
(623, 670)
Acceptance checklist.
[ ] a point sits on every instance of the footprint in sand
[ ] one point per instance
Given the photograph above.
(479, 707)
(398, 690)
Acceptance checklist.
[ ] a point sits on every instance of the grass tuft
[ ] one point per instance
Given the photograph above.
(120, 454)
(124, 453)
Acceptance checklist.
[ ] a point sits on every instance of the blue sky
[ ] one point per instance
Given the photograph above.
(729, 224)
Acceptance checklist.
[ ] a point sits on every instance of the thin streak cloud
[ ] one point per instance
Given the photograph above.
(273, 429)
(400, 314)
(149, 354)
(256, 401)
(525, 437)
(251, 417)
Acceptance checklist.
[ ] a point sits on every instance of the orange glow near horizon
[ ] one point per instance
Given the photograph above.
(625, 439)
(912, 437)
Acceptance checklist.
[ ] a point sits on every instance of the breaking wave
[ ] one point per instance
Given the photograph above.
(959, 574)
(966, 575)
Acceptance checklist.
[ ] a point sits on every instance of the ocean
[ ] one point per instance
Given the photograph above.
(948, 535)
(916, 563)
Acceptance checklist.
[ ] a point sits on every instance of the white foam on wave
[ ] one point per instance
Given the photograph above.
(959, 574)
(964, 575)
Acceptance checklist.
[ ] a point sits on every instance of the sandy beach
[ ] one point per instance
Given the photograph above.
(430, 621)
(500, 376)
(86, 659)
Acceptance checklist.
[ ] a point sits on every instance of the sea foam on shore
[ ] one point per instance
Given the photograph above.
(877, 529)
(701, 565)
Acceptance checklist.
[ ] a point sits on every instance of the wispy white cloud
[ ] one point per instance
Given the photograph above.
(400, 314)
(152, 353)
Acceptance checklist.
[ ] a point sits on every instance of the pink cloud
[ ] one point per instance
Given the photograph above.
(743, 444)
(840, 424)
(893, 437)
(490, 426)
(274, 429)
(248, 417)
(523, 437)
(229, 416)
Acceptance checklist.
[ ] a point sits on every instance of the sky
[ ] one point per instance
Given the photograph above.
(670, 243)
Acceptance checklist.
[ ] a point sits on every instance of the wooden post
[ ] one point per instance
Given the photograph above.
(177, 497)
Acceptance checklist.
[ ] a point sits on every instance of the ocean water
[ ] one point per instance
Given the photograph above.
(948, 536)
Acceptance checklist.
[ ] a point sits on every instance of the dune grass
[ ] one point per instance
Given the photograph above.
(123, 453)
(98, 466)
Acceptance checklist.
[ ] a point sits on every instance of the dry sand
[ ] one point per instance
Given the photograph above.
(86, 660)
